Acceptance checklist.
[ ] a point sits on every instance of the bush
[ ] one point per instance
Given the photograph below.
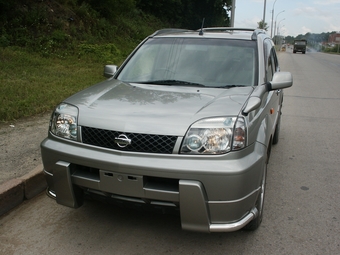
(333, 49)
(104, 53)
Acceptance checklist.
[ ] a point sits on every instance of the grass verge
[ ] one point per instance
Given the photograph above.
(31, 84)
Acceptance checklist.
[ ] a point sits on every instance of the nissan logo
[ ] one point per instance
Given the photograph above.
(122, 141)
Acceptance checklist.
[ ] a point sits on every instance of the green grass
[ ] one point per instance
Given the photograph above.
(31, 84)
(45, 56)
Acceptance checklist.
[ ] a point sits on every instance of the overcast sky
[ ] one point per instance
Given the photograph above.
(293, 17)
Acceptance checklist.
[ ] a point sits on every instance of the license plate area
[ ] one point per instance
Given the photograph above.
(122, 184)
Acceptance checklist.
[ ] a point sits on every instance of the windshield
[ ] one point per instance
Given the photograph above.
(193, 62)
(300, 43)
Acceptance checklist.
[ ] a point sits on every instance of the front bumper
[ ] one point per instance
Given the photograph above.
(213, 193)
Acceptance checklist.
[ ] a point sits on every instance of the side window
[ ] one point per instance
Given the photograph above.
(271, 60)
(275, 60)
(270, 68)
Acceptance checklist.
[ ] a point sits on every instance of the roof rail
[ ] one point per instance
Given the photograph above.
(255, 31)
(169, 30)
(212, 29)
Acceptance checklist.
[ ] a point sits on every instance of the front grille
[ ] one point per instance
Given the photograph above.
(139, 142)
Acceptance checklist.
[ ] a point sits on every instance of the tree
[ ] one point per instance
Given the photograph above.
(188, 13)
(289, 39)
(109, 9)
(262, 25)
(211, 10)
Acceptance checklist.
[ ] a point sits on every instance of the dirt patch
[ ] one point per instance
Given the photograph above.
(20, 145)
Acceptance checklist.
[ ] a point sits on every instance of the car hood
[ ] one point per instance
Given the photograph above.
(154, 109)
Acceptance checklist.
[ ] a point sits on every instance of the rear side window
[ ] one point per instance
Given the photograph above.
(272, 65)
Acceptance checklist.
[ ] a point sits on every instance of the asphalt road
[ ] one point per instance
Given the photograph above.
(302, 207)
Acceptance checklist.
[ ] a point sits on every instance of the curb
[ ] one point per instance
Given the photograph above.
(15, 191)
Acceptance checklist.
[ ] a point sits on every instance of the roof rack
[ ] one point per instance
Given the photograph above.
(255, 31)
(169, 30)
(208, 29)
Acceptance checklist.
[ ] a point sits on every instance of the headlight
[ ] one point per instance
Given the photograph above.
(64, 121)
(215, 136)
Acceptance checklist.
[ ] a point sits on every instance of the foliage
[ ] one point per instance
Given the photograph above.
(101, 53)
(262, 25)
(110, 9)
(331, 49)
(32, 84)
(188, 13)
(51, 27)
(56, 28)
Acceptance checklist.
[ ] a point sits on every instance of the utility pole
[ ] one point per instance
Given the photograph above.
(233, 13)
(264, 14)
(271, 29)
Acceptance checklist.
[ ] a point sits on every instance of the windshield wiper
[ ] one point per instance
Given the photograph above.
(172, 82)
(232, 86)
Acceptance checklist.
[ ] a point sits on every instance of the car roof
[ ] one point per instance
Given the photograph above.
(213, 32)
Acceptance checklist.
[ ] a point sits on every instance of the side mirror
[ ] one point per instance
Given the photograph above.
(280, 80)
(109, 70)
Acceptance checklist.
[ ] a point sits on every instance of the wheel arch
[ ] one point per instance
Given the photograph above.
(264, 134)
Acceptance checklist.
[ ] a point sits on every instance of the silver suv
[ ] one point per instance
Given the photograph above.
(186, 123)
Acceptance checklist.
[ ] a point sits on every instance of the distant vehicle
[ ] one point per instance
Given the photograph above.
(300, 46)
